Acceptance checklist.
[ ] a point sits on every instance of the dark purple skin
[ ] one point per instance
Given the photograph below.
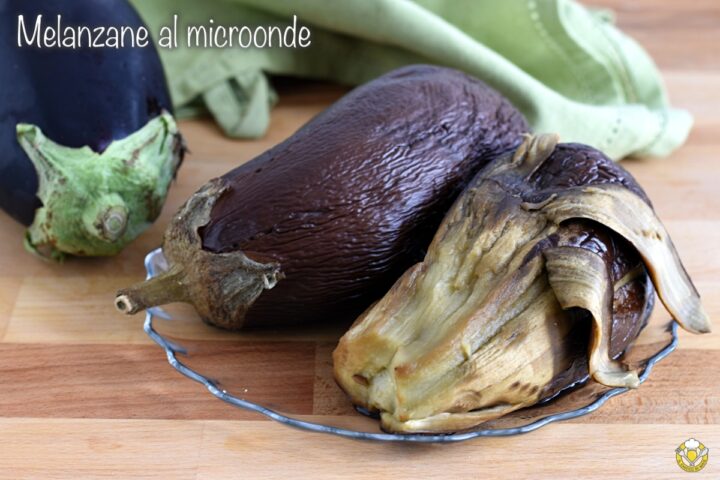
(77, 97)
(352, 199)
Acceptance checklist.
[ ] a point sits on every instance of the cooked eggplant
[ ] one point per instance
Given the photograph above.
(541, 273)
(322, 224)
(89, 144)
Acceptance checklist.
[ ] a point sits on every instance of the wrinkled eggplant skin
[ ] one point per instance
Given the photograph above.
(575, 165)
(83, 97)
(353, 198)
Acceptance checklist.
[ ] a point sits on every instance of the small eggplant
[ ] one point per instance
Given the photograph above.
(540, 273)
(89, 144)
(322, 224)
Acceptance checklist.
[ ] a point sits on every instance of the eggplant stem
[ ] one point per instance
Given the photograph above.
(168, 287)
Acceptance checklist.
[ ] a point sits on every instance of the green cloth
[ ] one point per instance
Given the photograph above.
(567, 68)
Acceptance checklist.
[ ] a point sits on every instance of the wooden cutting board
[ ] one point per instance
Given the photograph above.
(85, 394)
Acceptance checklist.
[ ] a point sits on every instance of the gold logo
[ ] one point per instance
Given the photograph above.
(691, 455)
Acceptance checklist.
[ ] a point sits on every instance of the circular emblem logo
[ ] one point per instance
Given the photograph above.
(691, 455)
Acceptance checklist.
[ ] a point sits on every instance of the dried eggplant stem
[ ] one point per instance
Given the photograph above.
(219, 285)
(165, 288)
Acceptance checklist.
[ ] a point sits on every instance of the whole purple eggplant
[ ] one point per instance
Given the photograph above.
(89, 145)
(322, 224)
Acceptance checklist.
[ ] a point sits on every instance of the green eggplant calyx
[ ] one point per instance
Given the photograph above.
(94, 204)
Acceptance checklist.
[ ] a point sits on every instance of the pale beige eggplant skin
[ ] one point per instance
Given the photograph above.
(482, 326)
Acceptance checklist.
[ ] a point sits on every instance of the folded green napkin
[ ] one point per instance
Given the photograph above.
(567, 68)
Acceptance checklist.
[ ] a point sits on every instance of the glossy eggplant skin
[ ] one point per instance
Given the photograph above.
(83, 97)
(354, 197)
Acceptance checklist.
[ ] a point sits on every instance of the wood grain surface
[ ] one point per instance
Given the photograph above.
(85, 393)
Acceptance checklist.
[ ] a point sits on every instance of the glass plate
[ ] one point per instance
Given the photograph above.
(230, 373)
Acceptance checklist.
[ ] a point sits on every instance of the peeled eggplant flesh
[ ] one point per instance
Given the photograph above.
(542, 272)
(321, 225)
